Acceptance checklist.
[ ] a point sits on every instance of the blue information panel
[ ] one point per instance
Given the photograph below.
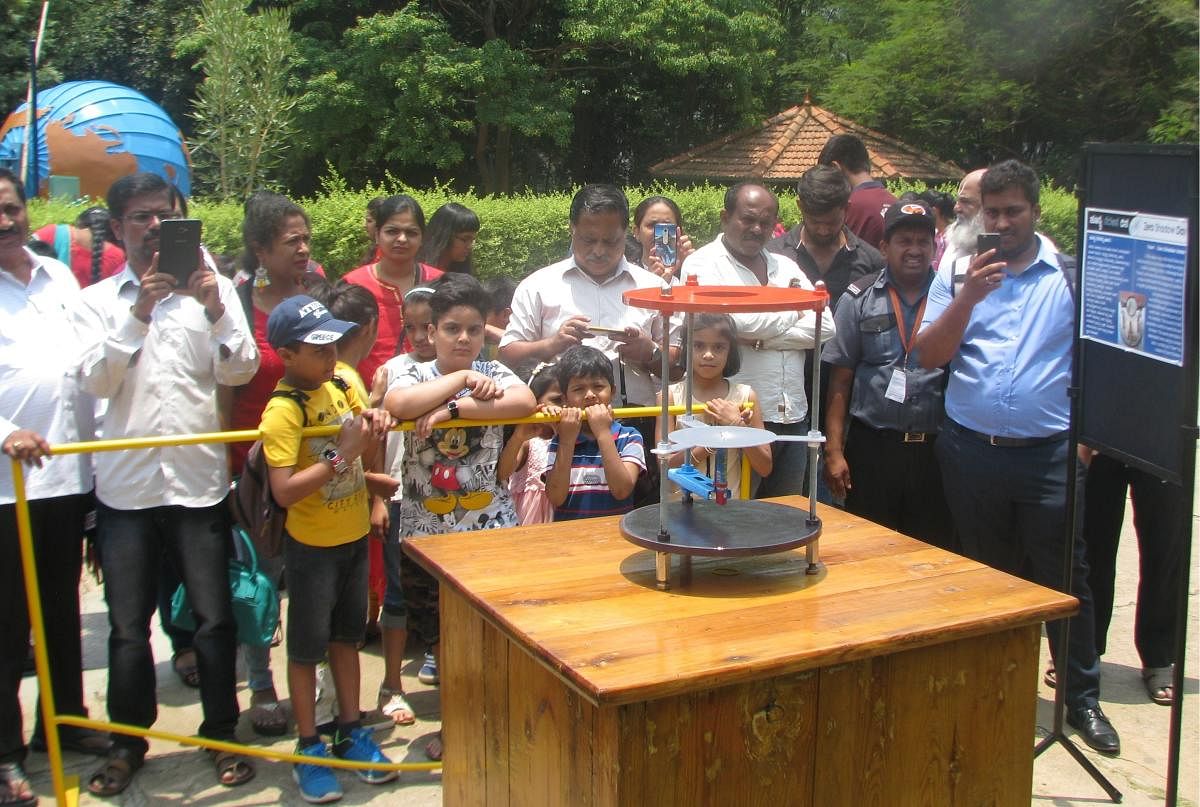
(1132, 283)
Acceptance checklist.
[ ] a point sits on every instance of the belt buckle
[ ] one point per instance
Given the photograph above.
(914, 437)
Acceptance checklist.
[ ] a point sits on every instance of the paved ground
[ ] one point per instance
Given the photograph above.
(177, 775)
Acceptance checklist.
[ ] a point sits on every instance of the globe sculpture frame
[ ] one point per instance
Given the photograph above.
(706, 521)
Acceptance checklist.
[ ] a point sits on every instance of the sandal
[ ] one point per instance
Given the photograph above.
(393, 705)
(434, 749)
(1160, 684)
(186, 669)
(232, 769)
(15, 788)
(277, 636)
(1050, 679)
(267, 717)
(115, 774)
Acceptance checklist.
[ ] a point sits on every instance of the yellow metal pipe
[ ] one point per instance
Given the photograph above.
(33, 596)
(245, 750)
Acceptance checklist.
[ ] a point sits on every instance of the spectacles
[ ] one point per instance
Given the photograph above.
(144, 216)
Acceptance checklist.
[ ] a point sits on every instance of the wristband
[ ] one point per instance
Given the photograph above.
(452, 408)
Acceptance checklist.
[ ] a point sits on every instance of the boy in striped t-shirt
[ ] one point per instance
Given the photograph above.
(594, 463)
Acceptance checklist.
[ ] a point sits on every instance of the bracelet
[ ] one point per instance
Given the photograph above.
(452, 408)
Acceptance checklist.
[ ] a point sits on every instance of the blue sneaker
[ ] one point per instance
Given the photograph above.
(318, 784)
(360, 746)
(428, 674)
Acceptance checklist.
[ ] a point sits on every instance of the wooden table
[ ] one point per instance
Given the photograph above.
(901, 674)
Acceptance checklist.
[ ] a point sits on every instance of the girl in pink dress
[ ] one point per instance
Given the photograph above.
(523, 461)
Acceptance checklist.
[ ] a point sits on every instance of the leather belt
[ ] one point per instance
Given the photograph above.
(904, 437)
(1012, 442)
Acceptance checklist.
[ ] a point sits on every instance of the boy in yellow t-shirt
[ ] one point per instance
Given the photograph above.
(321, 483)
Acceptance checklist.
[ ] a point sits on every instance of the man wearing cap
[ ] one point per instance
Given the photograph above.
(885, 465)
(156, 350)
(1006, 334)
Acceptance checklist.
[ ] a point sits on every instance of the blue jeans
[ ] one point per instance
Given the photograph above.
(132, 543)
(789, 462)
(1009, 506)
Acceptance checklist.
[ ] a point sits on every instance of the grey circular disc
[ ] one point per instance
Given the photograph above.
(738, 527)
(720, 437)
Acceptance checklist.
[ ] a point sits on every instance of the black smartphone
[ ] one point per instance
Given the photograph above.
(179, 249)
(666, 243)
(986, 241)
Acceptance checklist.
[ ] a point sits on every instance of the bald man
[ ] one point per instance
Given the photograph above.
(960, 236)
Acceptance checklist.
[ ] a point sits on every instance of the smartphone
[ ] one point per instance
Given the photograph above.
(666, 243)
(179, 249)
(600, 330)
(986, 241)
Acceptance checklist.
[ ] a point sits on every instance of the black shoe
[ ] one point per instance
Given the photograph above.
(1095, 729)
(81, 741)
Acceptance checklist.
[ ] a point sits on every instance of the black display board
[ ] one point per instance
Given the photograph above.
(1133, 405)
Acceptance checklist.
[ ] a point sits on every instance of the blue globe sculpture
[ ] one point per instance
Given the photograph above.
(97, 131)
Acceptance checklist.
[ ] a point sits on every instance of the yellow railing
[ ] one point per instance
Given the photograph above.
(66, 789)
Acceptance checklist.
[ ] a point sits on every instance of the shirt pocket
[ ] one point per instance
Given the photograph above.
(880, 342)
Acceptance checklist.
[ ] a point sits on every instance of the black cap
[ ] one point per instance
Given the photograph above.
(908, 213)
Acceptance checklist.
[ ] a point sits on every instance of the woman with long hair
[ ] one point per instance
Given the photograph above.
(450, 239)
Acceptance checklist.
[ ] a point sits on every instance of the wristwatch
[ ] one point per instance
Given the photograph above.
(336, 460)
(452, 408)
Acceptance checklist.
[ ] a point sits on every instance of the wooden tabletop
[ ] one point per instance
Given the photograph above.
(582, 600)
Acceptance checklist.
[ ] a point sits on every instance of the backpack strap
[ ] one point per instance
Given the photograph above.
(299, 397)
(340, 383)
(1067, 266)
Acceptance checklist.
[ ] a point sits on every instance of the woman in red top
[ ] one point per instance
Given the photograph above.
(85, 246)
(399, 228)
(276, 233)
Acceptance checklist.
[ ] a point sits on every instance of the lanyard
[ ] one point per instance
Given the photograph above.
(898, 310)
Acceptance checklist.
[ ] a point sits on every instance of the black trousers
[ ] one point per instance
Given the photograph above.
(897, 484)
(57, 525)
(1157, 510)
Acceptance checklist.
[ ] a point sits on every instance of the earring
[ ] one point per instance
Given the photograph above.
(261, 279)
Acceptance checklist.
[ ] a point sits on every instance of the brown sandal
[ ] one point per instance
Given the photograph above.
(1160, 684)
(184, 664)
(115, 774)
(15, 788)
(232, 769)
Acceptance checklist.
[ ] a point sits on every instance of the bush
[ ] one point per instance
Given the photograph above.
(520, 233)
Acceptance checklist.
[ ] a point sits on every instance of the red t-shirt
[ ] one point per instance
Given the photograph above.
(864, 215)
(250, 399)
(391, 317)
(111, 259)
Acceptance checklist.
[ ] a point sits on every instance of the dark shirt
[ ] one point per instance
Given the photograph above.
(857, 259)
(864, 216)
(868, 341)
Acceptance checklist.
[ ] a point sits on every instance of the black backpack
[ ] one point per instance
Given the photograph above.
(254, 508)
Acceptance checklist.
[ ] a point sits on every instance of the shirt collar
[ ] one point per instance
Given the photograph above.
(622, 268)
(885, 279)
(39, 268)
(127, 276)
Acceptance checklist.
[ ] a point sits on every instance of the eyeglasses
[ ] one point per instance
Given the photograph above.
(144, 216)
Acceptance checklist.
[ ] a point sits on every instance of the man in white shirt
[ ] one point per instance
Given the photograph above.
(157, 352)
(773, 343)
(40, 404)
(578, 300)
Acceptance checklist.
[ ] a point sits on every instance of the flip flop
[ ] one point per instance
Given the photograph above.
(434, 749)
(232, 769)
(1160, 684)
(393, 705)
(115, 774)
(1050, 679)
(188, 673)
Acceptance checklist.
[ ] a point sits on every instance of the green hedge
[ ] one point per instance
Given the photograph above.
(520, 233)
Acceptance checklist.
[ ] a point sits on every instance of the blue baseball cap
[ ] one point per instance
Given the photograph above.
(303, 319)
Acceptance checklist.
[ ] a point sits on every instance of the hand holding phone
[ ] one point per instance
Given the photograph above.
(986, 241)
(666, 243)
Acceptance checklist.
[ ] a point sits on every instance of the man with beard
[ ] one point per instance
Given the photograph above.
(827, 250)
(1004, 447)
(40, 404)
(775, 342)
(960, 235)
(884, 465)
(156, 350)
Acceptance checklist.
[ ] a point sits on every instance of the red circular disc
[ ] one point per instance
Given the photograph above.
(728, 299)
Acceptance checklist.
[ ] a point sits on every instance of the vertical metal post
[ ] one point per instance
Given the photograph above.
(664, 459)
(33, 596)
(689, 333)
(814, 429)
(31, 134)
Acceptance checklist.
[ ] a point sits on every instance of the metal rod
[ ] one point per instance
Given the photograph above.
(688, 359)
(664, 459)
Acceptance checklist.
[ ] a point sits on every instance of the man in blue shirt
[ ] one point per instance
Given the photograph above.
(1006, 333)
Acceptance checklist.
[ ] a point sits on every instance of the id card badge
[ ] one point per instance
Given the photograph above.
(895, 387)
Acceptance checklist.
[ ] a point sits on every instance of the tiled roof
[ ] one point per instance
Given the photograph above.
(785, 146)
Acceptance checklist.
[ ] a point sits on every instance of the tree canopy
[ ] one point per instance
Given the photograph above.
(504, 95)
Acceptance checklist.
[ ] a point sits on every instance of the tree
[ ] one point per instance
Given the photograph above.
(243, 110)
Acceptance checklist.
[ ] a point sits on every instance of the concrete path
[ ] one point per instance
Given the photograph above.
(178, 775)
